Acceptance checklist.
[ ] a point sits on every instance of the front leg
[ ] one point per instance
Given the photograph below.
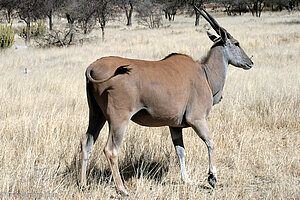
(200, 127)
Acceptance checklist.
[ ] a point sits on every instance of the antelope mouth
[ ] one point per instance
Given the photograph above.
(247, 66)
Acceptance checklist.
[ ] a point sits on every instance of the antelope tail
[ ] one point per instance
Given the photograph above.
(120, 70)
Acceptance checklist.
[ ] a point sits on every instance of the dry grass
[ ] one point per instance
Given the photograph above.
(256, 127)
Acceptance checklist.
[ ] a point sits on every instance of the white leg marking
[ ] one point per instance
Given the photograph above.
(214, 170)
(87, 147)
(181, 154)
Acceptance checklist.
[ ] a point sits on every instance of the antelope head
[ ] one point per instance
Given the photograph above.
(234, 53)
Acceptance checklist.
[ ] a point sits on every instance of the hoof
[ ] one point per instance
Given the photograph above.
(212, 180)
(187, 181)
(122, 192)
(82, 185)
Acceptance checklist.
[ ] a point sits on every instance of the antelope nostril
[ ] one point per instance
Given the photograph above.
(251, 60)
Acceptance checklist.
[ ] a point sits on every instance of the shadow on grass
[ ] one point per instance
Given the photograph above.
(139, 168)
(199, 186)
(293, 22)
(143, 167)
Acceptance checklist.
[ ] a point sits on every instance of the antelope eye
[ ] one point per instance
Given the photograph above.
(237, 44)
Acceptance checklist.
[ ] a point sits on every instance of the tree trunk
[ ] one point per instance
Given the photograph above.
(69, 18)
(197, 17)
(129, 14)
(9, 11)
(228, 10)
(71, 39)
(296, 4)
(50, 20)
(84, 30)
(290, 5)
(85, 26)
(255, 7)
(260, 8)
(102, 31)
(28, 32)
(166, 14)
(102, 26)
(169, 16)
(251, 8)
(240, 10)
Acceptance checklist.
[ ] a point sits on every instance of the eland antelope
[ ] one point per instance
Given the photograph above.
(176, 91)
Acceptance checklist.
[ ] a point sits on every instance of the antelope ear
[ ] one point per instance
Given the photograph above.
(223, 34)
(211, 36)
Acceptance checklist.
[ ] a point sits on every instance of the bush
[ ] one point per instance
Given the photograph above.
(7, 36)
(149, 14)
(36, 29)
(62, 37)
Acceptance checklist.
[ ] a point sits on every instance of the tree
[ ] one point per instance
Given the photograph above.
(127, 6)
(149, 14)
(85, 14)
(69, 10)
(9, 6)
(198, 4)
(28, 11)
(232, 6)
(281, 4)
(49, 7)
(170, 7)
(256, 6)
(292, 4)
(241, 6)
(105, 11)
(80, 14)
(227, 4)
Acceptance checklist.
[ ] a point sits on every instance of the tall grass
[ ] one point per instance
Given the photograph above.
(255, 127)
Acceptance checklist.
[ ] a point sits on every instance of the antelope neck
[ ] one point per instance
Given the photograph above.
(215, 70)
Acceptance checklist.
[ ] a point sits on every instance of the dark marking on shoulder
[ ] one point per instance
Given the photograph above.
(174, 54)
(131, 85)
(155, 83)
(200, 70)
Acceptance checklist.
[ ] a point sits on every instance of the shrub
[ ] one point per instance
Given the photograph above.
(149, 14)
(36, 29)
(7, 36)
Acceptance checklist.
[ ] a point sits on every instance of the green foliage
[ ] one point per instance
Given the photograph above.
(7, 35)
(36, 29)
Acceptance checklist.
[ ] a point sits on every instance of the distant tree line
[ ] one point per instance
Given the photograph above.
(256, 6)
(86, 14)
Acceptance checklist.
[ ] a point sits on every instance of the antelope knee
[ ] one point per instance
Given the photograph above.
(210, 144)
(180, 151)
(87, 145)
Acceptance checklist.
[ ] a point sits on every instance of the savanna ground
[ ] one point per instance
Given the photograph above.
(255, 127)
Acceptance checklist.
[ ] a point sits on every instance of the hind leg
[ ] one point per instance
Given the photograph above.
(96, 122)
(117, 128)
(176, 134)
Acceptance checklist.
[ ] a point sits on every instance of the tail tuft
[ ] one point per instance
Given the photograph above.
(122, 70)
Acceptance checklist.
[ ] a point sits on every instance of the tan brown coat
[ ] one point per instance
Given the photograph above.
(176, 91)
